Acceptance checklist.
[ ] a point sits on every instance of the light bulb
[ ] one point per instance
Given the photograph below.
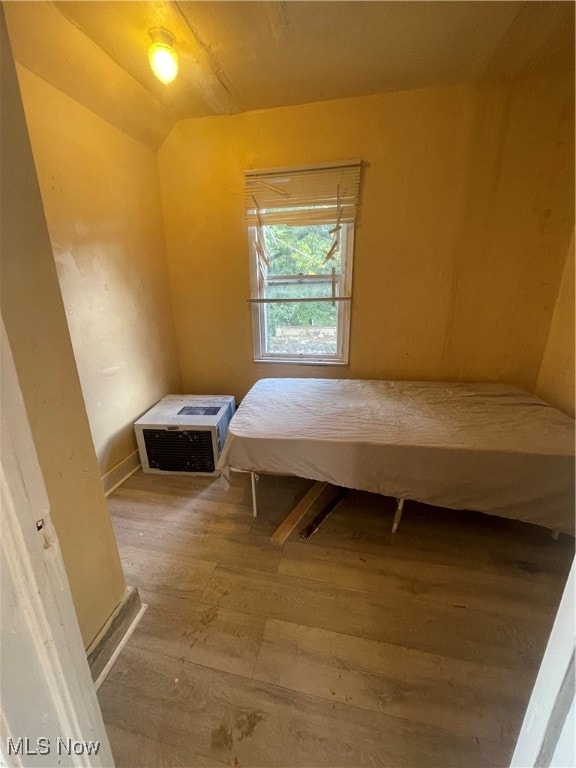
(162, 56)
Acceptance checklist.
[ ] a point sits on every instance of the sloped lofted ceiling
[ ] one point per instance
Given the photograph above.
(239, 56)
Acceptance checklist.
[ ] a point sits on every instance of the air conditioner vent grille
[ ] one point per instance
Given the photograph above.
(198, 410)
(180, 451)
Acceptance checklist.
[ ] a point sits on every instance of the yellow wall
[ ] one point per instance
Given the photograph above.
(35, 321)
(102, 202)
(556, 379)
(467, 209)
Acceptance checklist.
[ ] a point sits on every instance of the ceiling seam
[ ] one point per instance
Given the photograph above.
(217, 70)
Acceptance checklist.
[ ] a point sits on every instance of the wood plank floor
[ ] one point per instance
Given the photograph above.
(356, 648)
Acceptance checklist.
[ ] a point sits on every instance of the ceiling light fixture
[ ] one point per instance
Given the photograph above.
(162, 56)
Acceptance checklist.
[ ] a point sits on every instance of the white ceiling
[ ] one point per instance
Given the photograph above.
(238, 56)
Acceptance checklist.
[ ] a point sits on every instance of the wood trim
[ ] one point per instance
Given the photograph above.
(558, 716)
(118, 650)
(547, 707)
(287, 526)
(121, 472)
(112, 633)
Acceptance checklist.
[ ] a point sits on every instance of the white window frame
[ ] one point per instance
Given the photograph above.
(343, 298)
(324, 194)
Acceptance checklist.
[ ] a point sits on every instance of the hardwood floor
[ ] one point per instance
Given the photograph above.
(356, 648)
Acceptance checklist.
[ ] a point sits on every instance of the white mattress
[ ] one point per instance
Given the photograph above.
(486, 447)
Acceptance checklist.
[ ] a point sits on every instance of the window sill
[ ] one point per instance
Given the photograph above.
(297, 361)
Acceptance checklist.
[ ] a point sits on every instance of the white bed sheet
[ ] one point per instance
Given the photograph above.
(486, 447)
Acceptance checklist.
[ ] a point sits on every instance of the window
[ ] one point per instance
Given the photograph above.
(301, 238)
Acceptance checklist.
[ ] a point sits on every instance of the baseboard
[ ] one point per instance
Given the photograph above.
(118, 650)
(121, 472)
(102, 648)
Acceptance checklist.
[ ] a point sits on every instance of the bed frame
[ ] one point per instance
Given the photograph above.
(485, 447)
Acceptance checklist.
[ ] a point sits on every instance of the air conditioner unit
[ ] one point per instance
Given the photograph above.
(184, 434)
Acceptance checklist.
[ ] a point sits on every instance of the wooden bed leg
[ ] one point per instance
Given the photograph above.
(253, 478)
(397, 515)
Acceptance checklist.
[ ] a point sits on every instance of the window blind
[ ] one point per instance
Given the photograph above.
(299, 196)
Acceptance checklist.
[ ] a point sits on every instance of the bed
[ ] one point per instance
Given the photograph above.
(492, 448)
